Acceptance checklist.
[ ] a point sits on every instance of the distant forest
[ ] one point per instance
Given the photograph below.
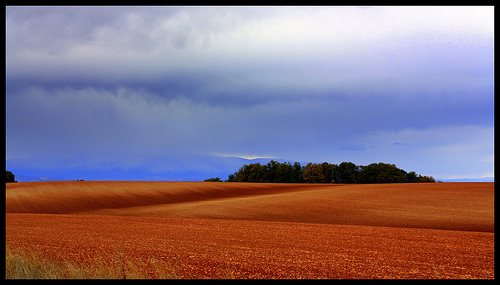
(345, 172)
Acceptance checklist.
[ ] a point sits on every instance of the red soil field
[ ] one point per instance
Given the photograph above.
(431, 230)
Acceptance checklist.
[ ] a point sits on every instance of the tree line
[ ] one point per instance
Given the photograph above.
(345, 172)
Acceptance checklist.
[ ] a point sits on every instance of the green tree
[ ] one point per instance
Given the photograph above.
(287, 173)
(216, 179)
(382, 173)
(272, 171)
(232, 178)
(369, 173)
(347, 172)
(313, 173)
(242, 175)
(257, 173)
(391, 174)
(426, 178)
(297, 173)
(329, 171)
(9, 177)
(411, 177)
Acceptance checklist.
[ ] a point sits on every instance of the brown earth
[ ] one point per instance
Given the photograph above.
(432, 230)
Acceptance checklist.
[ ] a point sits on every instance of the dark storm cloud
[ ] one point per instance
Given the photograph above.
(306, 84)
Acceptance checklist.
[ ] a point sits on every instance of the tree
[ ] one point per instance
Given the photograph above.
(313, 173)
(254, 172)
(382, 173)
(216, 179)
(426, 178)
(347, 172)
(297, 173)
(411, 177)
(9, 177)
(232, 178)
(369, 173)
(257, 173)
(244, 173)
(329, 172)
(391, 174)
(272, 171)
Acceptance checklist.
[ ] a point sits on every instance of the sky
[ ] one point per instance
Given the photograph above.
(161, 92)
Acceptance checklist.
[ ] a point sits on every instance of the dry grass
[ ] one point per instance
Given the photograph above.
(33, 264)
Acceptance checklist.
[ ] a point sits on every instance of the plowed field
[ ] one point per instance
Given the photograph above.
(247, 230)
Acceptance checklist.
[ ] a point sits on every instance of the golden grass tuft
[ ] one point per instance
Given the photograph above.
(32, 264)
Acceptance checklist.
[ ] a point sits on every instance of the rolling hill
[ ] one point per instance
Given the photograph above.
(252, 230)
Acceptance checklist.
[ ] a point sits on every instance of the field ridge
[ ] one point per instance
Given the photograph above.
(64, 197)
(451, 206)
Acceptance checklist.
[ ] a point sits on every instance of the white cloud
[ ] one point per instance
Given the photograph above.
(245, 156)
(297, 48)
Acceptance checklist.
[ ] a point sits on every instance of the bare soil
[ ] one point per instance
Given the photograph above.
(432, 230)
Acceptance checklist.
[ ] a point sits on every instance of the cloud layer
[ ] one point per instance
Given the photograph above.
(127, 86)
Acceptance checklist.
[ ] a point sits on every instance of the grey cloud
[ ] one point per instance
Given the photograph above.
(138, 120)
(234, 48)
(54, 29)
